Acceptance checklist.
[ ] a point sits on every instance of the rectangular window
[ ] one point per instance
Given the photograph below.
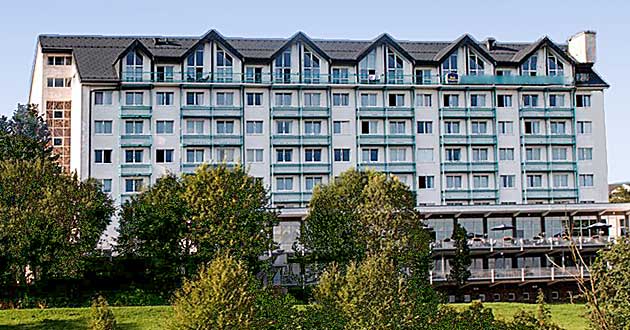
(479, 127)
(425, 182)
(164, 155)
(397, 154)
(560, 180)
(583, 101)
(194, 98)
(559, 153)
(340, 127)
(397, 127)
(532, 127)
(284, 126)
(586, 180)
(425, 127)
(254, 99)
(312, 99)
(135, 127)
(504, 101)
(423, 76)
(254, 127)
(506, 153)
(342, 155)
(225, 127)
(396, 100)
(423, 100)
(165, 73)
(194, 127)
(102, 156)
(453, 154)
(341, 99)
(312, 181)
(59, 60)
(480, 154)
(103, 127)
(59, 82)
(534, 181)
(584, 127)
(453, 182)
(558, 127)
(451, 127)
(451, 100)
(340, 76)
(369, 155)
(368, 99)
(225, 99)
(530, 100)
(164, 127)
(103, 98)
(507, 181)
(106, 185)
(133, 185)
(254, 155)
(226, 155)
(533, 154)
(134, 98)
(134, 156)
(585, 153)
(477, 100)
(283, 99)
(253, 74)
(312, 155)
(313, 127)
(369, 127)
(556, 100)
(284, 184)
(164, 98)
(194, 156)
(284, 155)
(425, 155)
(506, 128)
(481, 181)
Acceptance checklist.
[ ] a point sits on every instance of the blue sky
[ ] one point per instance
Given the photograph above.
(22, 21)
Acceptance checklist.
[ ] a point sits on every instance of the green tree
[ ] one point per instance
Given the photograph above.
(154, 227)
(25, 135)
(49, 221)
(525, 320)
(220, 298)
(102, 317)
(228, 213)
(610, 280)
(620, 195)
(461, 261)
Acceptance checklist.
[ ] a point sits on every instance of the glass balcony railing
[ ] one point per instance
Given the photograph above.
(523, 274)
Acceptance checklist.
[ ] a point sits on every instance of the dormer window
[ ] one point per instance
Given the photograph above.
(133, 66)
(224, 66)
(450, 64)
(475, 65)
(367, 68)
(311, 68)
(395, 73)
(194, 63)
(282, 70)
(529, 67)
(554, 66)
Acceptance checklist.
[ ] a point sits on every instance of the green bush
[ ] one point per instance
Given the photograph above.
(221, 297)
(102, 317)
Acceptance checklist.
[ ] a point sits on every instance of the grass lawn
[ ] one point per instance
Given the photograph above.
(568, 316)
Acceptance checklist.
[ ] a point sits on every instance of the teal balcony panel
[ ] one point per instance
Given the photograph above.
(129, 140)
(399, 112)
(483, 194)
(546, 193)
(135, 111)
(371, 139)
(227, 111)
(315, 140)
(556, 166)
(455, 139)
(455, 167)
(400, 167)
(196, 111)
(318, 168)
(135, 169)
(285, 112)
(400, 139)
(285, 140)
(286, 168)
(481, 112)
(371, 112)
(563, 139)
(227, 140)
(287, 197)
(372, 166)
(453, 112)
(456, 194)
(315, 112)
(196, 140)
(514, 80)
(546, 112)
(483, 139)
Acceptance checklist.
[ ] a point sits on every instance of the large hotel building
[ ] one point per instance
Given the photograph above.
(506, 138)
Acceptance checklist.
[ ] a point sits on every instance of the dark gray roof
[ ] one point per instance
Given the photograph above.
(96, 55)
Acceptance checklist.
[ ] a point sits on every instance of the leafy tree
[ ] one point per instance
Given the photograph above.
(102, 317)
(610, 280)
(370, 295)
(525, 320)
(49, 221)
(221, 297)
(620, 195)
(25, 135)
(227, 213)
(461, 260)
(154, 226)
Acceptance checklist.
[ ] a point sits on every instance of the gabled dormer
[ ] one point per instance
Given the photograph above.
(385, 61)
(299, 59)
(212, 57)
(464, 56)
(134, 63)
(544, 58)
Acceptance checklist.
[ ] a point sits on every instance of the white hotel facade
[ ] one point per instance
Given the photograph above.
(463, 122)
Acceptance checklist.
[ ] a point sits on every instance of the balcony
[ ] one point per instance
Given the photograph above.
(227, 140)
(469, 167)
(375, 166)
(286, 168)
(464, 194)
(196, 140)
(371, 139)
(400, 167)
(315, 112)
(400, 139)
(546, 112)
(135, 111)
(287, 197)
(556, 166)
(135, 169)
(519, 274)
(315, 167)
(285, 112)
(227, 111)
(189, 168)
(509, 245)
(285, 140)
(131, 140)
(477, 139)
(315, 140)
(514, 80)
(563, 139)
(196, 111)
(476, 112)
(371, 112)
(399, 112)
(547, 193)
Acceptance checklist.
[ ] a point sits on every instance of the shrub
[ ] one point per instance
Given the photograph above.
(221, 297)
(102, 317)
